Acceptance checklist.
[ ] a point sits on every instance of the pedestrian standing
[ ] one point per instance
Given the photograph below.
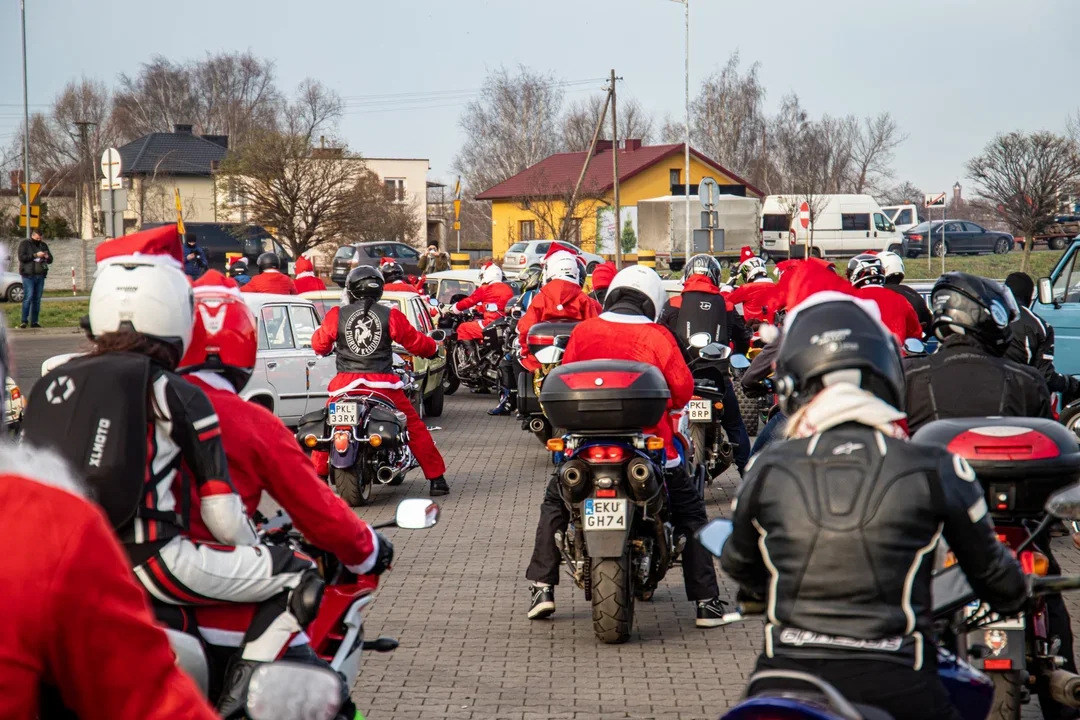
(34, 259)
(195, 263)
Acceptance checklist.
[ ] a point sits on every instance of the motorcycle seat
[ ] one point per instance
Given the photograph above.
(315, 416)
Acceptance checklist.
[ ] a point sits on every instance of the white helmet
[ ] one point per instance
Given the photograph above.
(491, 274)
(752, 268)
(561, 265)
(893, 263)
(149, 298)
(645, 282)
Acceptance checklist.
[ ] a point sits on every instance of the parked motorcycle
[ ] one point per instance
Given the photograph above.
(620, 541)
(547, 341)
(366, 435)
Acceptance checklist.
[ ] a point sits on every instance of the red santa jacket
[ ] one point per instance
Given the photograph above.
(806, 278)
(760, 300)
(402, 332)
(612, 336)
(74, 618)
(557, 300)
(401, 286)
(498, 293)
(307, 282)
(896, 312)
(271, 281)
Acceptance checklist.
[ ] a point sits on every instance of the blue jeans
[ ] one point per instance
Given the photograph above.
(33, 288)
(767, 432)
(732, 421)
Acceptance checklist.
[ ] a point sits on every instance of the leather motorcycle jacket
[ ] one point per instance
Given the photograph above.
(962, 379)
(1033, 345)
(363, 340)
(837, 533)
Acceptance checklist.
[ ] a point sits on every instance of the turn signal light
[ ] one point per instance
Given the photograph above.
(375, 440)
(1034, 563)
(15, 392)
(310, 440)
(950, 559)
(654, 443)
(341, 441)
(718, 406)
(556, 445)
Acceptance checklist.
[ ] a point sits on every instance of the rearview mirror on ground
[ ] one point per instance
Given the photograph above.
(416, 514)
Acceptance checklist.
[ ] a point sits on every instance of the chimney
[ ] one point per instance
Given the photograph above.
(632, 144)
(181, 129)
(603, 146)
(220, 140)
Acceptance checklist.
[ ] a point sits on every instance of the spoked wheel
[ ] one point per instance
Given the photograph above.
(612, 599)
(351, 486)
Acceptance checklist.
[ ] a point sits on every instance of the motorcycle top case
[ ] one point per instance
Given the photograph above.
(542, 335)
(605, 395)
(1027, 458)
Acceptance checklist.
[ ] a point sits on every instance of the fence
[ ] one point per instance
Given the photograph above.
(67, 253)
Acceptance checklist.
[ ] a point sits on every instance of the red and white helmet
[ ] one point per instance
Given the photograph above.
(893, 264)
(562, 266)
(224, 339)
(491, 273)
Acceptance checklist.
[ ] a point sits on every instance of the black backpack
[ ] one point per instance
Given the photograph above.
(93, 412)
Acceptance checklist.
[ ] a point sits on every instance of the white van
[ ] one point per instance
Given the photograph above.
(847, 225)
(904, 217)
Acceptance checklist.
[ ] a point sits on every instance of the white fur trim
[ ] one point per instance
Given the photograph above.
(626, 319)
(361, 382)
(768, 333)
(41, 466)
(217, 290)
(305, 275)
(214, 380)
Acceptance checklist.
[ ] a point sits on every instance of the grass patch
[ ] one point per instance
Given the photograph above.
(991, 266)
(53, 314)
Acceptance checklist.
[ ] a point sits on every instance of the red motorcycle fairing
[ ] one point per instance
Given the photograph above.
(327, 629)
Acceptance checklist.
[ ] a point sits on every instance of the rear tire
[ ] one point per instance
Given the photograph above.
(938, 248)
(16, 293)
(1057, 243)
(351, 486)
(433, 405)
(612, 599)
(1001, 246)
(748, 408)
(1008, 697)
(450, 383)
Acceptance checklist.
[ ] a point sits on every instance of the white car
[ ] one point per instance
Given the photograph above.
(11, 287)
(448, 284)
(845, 226)
(524, 255)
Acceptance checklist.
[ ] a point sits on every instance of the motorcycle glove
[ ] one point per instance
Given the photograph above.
(385, 556)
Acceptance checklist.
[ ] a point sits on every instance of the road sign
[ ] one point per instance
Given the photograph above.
(115, 184)
(804, 215)
(35, 188)
(937, 200)
(113, 204)
(110, 165)
(708, 192)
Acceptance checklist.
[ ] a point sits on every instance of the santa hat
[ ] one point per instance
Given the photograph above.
(160, 246)
(745, 254)
(213, 282)
(556, 246)
(602, 275)
(303, 265)
(386, 261)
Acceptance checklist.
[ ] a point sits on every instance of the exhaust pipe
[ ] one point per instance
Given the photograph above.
(572, 475)
(385, 474)
(536, 425)
(644, 484)
(1065, 688)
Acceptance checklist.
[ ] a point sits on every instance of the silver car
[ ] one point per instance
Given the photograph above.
(11, 287)
(522, 256)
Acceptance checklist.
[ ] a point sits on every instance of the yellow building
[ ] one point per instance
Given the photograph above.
(532, 205)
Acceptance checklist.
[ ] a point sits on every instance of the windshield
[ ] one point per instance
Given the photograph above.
(345, 251)
(517, 247)
(775, 223)
(924, 226)
(449, 288)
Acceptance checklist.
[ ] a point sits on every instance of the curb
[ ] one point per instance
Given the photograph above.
(16, 331)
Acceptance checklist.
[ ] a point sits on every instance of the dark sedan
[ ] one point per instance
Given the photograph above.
(961, 237)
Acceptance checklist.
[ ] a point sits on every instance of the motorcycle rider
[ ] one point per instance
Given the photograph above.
(701, 308)
(360, 334)
(757, 294)
(125, 398)
(866, 273)
(306, 279)
(492, 290)
(861, 621)
(394, 276)
(602, 275)
(968, 375)
(262, 453)
(893, 265)
(270, 278)
(238, 271)
(628, 330)
(1033, 340)
(510, 366)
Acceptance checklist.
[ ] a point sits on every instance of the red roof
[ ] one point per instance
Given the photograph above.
(557, 174)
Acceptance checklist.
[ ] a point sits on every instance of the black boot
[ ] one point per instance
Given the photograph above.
(439, 486)
(234, 691)
(504, 406)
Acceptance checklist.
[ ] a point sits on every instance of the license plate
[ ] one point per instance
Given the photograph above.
(999, 623)
(605, 514)
(700, 411)
(343, 413)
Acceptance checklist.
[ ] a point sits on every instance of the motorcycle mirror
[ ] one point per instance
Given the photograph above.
(914, 346)
(433, 301)
(1065, 503)
(287, 690)
(491, 307)
(437, 335)
(416, 514)
(700, 340)
(715, 351)
(561, 341)
(713, 535)
(739, 362)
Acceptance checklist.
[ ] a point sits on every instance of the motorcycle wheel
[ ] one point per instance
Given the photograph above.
(612, 599)
(433, 406)
(1008, 696)
(698, 436)
(450, 383)
(351, 486)
(749, 408)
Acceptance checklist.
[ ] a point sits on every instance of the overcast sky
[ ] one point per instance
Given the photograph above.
(952, 72)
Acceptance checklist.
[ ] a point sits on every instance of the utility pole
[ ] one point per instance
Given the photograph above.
(585, 167)
(615, 165)
(26, 121)
(88, 191)
(688, 238)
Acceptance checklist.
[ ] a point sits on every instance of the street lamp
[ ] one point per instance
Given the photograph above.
(686, 4)
(26, 124)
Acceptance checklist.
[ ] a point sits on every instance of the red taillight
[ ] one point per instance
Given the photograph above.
(997, 664)
(1027, 562)
(539, 339)
(605, 492)
(15, 394)
(521, 260)
(915, 237)
(615, 380)
(341, 441)
(605, 454)
(1000, 442)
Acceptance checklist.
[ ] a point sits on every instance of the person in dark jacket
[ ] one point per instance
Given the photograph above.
(195, 263)
(861, 621)
(34, 261)
(1033, 340)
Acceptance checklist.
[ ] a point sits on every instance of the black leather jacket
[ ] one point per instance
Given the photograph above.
(1033, 345)
(838, 531)
(962, 379)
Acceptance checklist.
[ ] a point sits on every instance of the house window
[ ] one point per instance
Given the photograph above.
(395, 188)
(527, 230)
(573, 230)
(675, 176)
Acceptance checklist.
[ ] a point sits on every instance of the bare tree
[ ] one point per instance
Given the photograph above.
(905, 192)
(513, 124)
(158, 97)
(559, 214)
(234, 93)
(1026, 176)
(728, 117)
(672, 131)
(872, 153)
(581, 118)
(1072, 126)
(375, 215)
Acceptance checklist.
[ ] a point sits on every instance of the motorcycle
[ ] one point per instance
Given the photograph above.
(479, 372)
(547, 341)
(620, 541)
(366, 435)
(336, 634)
(712, 450)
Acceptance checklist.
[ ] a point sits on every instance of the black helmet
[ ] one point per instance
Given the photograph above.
(530, 279)
(866, 269)
(827, 338)
(364, 282)
(392, 272)
(705, 265)
(965, 304)
(239, 267)
(269, 261)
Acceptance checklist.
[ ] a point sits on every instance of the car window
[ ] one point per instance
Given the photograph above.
(279, 334)
(345, 252)
(303, 324)
(322, 306)
(855, 221)
(954, 227)
(517, 247)
(392, 303)
(378, 251)
(1067, 284)
(542, 248)
(972, 227)
(406, 253)
(431, 287)
(450, 288)
(775, 223)
(880, 223)
(904, 217)
(422, 315)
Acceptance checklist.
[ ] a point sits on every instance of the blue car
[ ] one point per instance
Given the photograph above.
(1058, 304)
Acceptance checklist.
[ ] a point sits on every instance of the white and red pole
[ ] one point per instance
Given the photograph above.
(73, 282)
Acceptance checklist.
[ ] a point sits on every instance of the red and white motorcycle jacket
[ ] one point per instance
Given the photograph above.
(497, 292)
